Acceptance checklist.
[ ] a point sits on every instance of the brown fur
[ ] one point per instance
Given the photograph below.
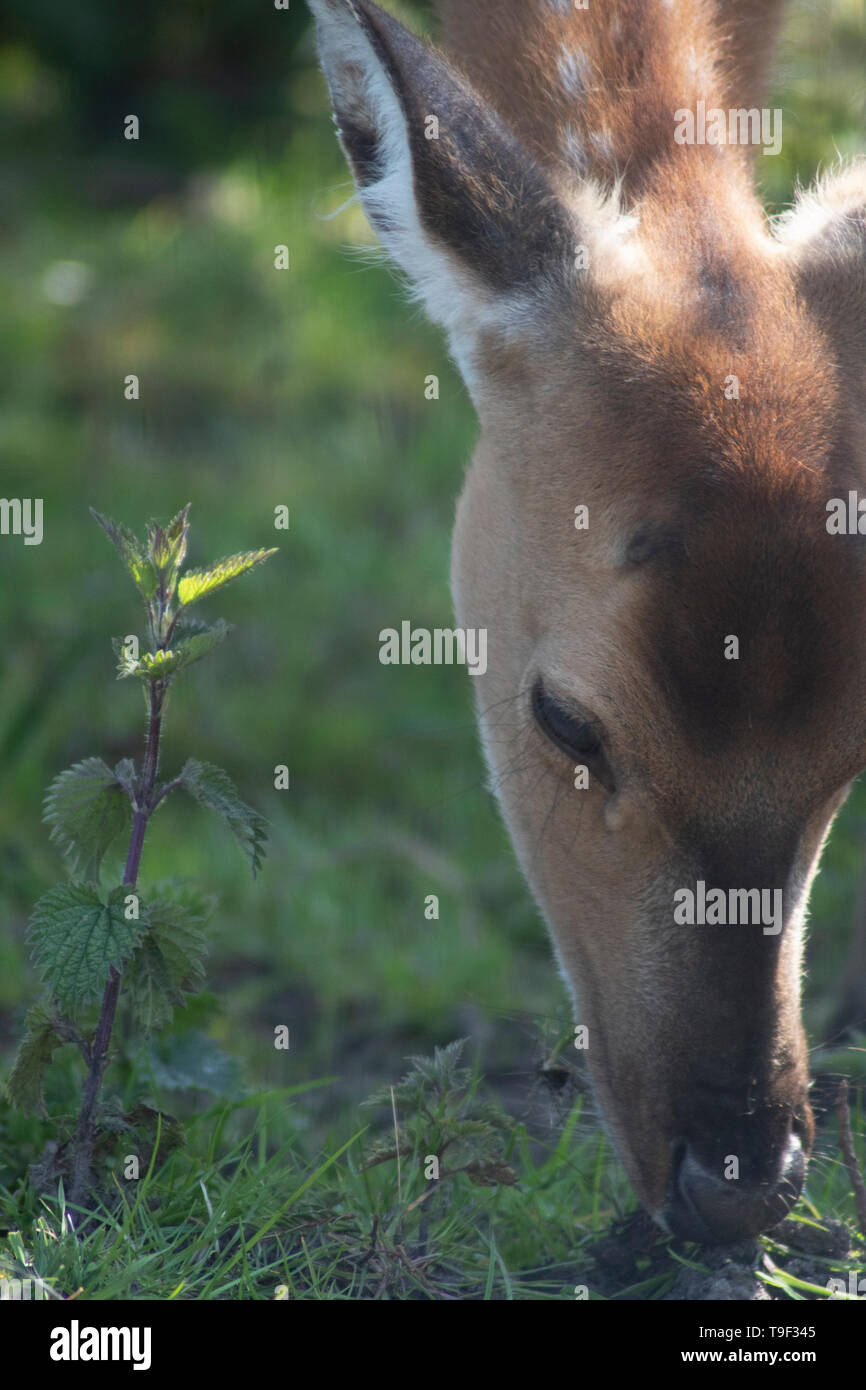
(642, 62)
(707, 519)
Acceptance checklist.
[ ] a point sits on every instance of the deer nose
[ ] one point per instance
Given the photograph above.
(709, 1207)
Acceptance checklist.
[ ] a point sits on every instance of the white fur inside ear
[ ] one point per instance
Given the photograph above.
(612, 232)
(450, 294)
(832, 208)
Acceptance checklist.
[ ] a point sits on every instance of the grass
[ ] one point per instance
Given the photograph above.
(304, 388)
(244, 1211)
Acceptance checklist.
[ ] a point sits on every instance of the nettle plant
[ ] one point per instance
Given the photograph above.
(92, 940)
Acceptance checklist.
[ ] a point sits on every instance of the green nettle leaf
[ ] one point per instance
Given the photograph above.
(127, 776)
(215, 790)
(147, 981)
(168, 545)
(87, 807)
(196, 584)
(437, 1076)
(188, 625)
(24, 1087)
(81, 938)
(146, 1121)
(132, 553)
(168, 964)
(77, 939)
(175, 924)
(195, 647)
(155, 666)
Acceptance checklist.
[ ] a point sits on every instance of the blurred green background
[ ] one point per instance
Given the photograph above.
(261, 387)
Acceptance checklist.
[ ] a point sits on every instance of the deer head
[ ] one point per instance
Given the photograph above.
(670, 391)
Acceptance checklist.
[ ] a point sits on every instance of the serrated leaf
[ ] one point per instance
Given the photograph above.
(155, 666)
(179, 525)
(194, 648)
(132, 553)
(77, 939)
(148, 983)
(215, 790)
(186, 625)
(146, 1119)
(176, 925)
(109, 1117)
(168, 964)
(436, 1075)
(126, 774)
(40, 1041)
(87, 807)
(197, 584)
(167, 545)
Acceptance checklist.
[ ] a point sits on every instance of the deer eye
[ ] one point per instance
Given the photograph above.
(566, 730)
(573, 735)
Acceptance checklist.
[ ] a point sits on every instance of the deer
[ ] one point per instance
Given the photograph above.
(669, 386)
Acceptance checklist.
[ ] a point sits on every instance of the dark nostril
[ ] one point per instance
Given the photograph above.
(708, 1207)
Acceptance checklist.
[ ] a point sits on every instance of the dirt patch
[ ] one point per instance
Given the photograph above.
(635, 1261)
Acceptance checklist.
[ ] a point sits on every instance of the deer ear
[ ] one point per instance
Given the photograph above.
(825, 234)
(456, 201)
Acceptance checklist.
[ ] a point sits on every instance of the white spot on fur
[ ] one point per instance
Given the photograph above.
(834, 206)
(615, 248)
(805, 221)
(574, 71)
(574, 149)
(603, 145)
(700, 68)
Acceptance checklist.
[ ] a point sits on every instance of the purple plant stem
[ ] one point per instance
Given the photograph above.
(84, 1136)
